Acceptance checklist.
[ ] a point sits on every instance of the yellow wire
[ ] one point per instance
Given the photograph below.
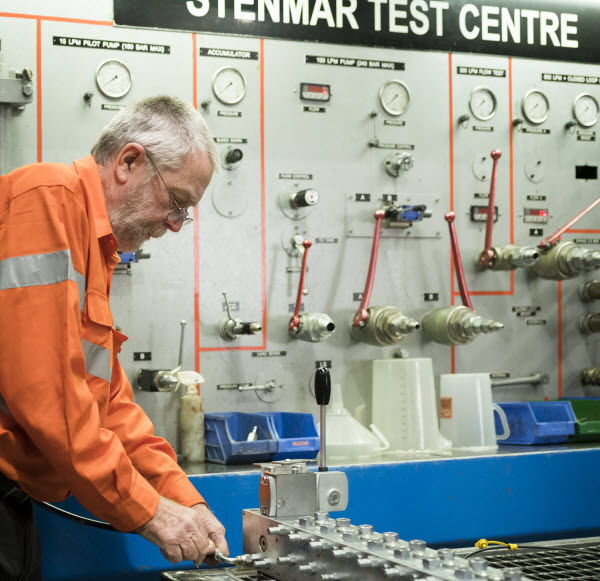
(483, 544)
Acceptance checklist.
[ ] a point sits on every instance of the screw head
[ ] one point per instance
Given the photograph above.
(334, 497)
(280, 502)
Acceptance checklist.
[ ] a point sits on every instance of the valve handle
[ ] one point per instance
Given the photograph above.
(361, 314)
(550, 241)
(322, 386)
(295, 320)
(460, 273)
(487, 255)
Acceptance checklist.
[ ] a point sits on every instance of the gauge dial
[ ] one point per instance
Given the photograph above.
(483, 103)
(394, 97)
(229, 85)
(535, 106)
(113, 78)
(586, 110)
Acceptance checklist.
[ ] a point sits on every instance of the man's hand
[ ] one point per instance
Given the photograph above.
(183, 534)
(216, 531)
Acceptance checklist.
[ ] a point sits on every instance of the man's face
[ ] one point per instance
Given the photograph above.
(139, 212)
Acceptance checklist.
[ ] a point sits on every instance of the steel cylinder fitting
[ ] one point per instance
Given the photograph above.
(231, 329)
(384, 326)
(590, 291)
(314, 327)
(510, 257)
(565, 260)
(456, 325)
(396, 163)
(590, 376)
(589, 323)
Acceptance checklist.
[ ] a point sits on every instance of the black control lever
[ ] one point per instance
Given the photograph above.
(322, 395)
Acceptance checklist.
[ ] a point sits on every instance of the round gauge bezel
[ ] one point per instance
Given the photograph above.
(481, 89)
(525, 97)
(108, 92)
(220, 97)
(388, 109)
(589, 123)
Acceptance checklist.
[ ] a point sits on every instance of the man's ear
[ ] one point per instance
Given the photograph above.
(130, 163)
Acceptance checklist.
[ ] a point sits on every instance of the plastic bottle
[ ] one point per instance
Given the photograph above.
(192, 417)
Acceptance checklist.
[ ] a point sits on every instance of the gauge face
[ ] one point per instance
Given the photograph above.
(535, 106)
(586, 110)
(113, 78)
(483, 103)
(394, 97)
(229, 85)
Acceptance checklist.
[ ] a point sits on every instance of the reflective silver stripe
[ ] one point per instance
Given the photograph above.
(41, 269)
(4, 407)
(97, 360)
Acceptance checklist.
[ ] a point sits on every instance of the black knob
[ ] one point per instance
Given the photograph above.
(234, 155)
(322, 386)
(304, 198)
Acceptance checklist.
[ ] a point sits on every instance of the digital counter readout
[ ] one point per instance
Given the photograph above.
(314, 92)
(535, 215)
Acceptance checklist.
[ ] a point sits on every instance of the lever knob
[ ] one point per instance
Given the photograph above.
(233, 156)
(322, 386)
(304, 198)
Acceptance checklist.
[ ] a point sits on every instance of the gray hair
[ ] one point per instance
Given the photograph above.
(167, 126)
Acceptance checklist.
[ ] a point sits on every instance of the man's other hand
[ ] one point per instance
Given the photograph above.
(183, 534)
(216, 531)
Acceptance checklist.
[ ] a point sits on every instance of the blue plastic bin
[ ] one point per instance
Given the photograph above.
(225, 438)
(537, 422)
(297, 435)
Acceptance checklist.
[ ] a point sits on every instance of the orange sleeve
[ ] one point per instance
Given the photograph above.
(43, 368)
(153, 456)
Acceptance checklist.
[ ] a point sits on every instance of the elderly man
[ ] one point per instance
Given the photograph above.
(68, 423)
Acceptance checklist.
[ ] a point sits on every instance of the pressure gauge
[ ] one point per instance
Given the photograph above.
(586, 110)
(229, 85)
(535, 106)
(482, 103)
(113, 78)
(394, 97)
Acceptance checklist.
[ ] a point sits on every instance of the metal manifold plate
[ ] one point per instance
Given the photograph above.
(324, 549)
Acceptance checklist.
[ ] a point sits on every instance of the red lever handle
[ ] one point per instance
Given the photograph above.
(488, 254)
(460, 273)
(361, 315)
(295, 320)
(551, 240)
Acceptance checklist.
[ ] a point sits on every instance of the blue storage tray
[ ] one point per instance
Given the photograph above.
(537, 422)
(225, 438)
(297, 435)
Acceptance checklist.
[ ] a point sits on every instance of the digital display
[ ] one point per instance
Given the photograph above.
(535, 215)
(314, 92)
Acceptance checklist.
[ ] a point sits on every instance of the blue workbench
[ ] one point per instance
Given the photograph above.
(519, 493)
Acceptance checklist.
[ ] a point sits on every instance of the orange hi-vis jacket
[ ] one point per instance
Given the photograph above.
(68, 423)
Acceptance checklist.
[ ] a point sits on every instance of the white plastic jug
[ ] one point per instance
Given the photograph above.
(347, 438)
(404, 404)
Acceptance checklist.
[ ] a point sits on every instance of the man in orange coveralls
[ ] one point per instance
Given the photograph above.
(68, 423)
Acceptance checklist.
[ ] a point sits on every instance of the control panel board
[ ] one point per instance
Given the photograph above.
(315, 139)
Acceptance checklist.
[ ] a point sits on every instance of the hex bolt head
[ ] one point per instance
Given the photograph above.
(431, 563)
(375, 544)
(390, 537)
(308, 569)
(365, 529)
(350, 536)
(463, 573)
(327, 528)
(417, 547)
(478, 564)
(512, 574)
(446, 555)
(306, 521)
(321, 516)
(342, 523)
(402, 553)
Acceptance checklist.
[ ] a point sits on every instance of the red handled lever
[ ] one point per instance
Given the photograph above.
(460, 274)
(295, 320)
(550, 241)
(361, 315)
(487, 255)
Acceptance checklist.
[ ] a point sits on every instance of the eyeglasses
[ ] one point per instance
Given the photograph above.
(178, 214)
